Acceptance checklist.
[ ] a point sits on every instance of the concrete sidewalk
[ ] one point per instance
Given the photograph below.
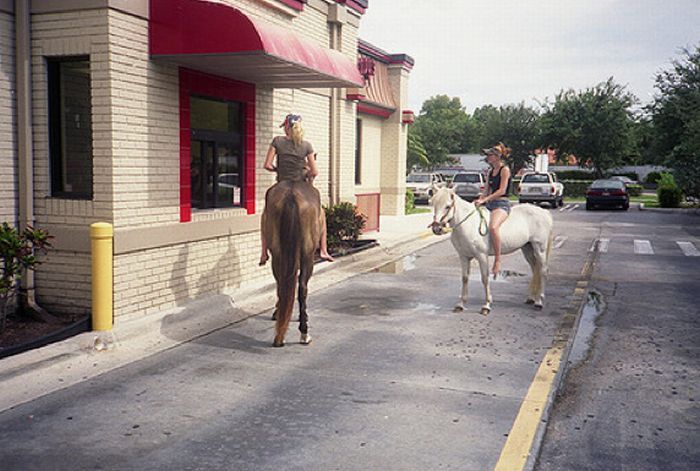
(38, 372)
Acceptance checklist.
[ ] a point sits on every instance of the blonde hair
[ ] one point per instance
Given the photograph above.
(297, 133)
(503, 150)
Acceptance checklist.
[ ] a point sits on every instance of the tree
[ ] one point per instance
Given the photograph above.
(676, 120)
(416, 154)
(594, 125)
(517, 126)
(443, 127)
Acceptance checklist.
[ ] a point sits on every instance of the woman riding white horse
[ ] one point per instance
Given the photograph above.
(528, 228)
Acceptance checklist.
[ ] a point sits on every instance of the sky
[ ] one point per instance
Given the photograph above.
(507, 51)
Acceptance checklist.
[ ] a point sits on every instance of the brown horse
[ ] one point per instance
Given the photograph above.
(292, 227)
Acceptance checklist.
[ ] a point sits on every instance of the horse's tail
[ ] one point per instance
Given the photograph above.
(287, 264)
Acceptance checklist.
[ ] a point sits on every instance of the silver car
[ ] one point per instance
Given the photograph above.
(469, 185)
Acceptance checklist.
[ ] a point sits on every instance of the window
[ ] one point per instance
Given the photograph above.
(467, 178)
(358, 152)
(536, 178)
(70, 127)
(216, 165)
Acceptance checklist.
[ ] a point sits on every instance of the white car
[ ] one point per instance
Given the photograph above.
(536, 187)
(423, 184)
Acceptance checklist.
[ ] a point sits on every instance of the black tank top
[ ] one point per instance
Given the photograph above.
(495, 182)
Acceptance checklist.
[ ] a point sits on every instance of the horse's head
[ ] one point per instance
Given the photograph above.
(443, 201)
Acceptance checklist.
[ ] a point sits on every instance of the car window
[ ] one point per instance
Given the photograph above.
(418, 179)
(612, 184)
(467, 178)
(536, 178)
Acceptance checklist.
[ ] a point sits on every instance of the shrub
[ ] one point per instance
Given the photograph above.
(575, 188)
(344, 223)
(669, 194)
(653, 177)
(17, 253)
(574, 175)
(634, 190)
(410, 200)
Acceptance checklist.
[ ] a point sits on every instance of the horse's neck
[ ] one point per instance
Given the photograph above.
(462, 208)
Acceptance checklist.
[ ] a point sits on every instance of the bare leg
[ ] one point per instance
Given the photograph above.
(324, 241)
(497, 218)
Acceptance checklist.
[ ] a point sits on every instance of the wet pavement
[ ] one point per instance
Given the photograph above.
(393, 380)
(631, 400)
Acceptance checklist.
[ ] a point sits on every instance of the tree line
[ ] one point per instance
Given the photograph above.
(603, 126)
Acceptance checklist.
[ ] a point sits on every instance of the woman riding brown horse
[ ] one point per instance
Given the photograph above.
(293, 224)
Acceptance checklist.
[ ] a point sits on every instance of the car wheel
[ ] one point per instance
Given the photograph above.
(589, 206)
(626, 206)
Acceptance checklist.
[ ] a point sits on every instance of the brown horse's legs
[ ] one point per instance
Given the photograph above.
(306, 269)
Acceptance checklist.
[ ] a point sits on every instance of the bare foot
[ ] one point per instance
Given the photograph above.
(263, 259)
(496, 268)
(326, 256)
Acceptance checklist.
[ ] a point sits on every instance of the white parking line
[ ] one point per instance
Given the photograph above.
(601, 245)
(564, 207)
(688, 248)
(559, 241)
(572, 208)
(643, 247)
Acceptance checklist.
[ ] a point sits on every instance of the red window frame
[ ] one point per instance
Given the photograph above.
(200, 83)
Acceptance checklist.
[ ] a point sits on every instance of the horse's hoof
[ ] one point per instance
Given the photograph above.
(277, 344)
(485, 311)
(305, 339)
(529, 301)
(458, 308)
(539, 306)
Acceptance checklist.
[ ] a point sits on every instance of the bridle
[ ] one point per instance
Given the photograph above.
(438, 225)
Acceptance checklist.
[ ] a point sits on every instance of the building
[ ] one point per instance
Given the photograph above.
(155, 116)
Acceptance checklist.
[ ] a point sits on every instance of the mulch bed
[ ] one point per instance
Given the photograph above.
(21, 331)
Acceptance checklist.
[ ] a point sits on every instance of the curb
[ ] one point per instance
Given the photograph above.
(691, 211)
(564, 339)
(35, 373)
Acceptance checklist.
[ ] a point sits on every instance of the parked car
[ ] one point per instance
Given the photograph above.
(422, 184)
(538, 187)
(469, 185)
(607, 193)
(626, 180)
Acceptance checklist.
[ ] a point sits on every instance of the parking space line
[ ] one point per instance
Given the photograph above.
(688, 248)
(564, 207)
(559, 241)
(572, 208)
(599, 245)
(643, 247)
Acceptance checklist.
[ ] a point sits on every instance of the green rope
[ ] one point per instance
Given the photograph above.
(483, 227)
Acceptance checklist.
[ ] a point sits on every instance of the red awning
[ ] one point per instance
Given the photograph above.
(221, 40)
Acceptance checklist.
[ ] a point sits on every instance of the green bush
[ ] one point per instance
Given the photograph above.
(574, 175)
(17, 253)
(575, 188)
(344, 223)
(634, 190)
(410, 200)
(653, 177)
(668, 192)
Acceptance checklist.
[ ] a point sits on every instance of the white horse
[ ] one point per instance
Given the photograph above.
(528, 228)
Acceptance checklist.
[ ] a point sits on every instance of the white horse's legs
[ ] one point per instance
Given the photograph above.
(483, 260)
(540, 253)
(529, 255)
(466, 263)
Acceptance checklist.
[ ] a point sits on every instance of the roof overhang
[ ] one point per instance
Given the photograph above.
(221, 40)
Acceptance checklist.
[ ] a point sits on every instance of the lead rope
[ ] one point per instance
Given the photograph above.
(483, 227)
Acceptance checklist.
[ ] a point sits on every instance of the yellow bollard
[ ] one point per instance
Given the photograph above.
(102, 236)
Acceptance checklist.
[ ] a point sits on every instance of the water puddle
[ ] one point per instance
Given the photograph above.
(401, 265)
(594, 307)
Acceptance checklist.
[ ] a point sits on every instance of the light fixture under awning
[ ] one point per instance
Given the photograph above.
(221, 40)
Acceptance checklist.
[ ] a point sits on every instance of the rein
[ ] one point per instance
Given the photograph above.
(483, 227)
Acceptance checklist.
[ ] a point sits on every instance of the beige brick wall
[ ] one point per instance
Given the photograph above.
(371, 155)
(63, 34)
(9, 205)
(394, 136)
(162, 278)
(144, 123)
(63, 283)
